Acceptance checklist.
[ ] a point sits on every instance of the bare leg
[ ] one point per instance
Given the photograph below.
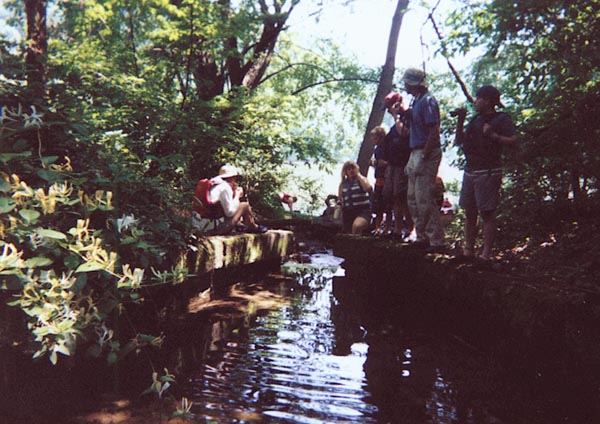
(388, 222)
(405, 212)
(470, 231)
(359, 225)
(245, 212)
(489, 234)
(398, 214)
(378, 221)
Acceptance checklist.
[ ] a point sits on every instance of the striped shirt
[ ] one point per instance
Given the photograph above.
(353, 196)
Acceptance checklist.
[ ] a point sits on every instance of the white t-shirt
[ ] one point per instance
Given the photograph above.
(223, 193)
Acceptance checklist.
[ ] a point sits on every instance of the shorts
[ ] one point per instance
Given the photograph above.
(380, 203)
(481, 190)
(349, 215)
(396, 182)
(222, 225)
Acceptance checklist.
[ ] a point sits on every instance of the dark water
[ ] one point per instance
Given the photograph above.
(312, 350)
(324, 356)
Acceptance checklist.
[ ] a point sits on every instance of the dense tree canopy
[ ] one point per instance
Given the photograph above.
(110, 120)
(545, 57)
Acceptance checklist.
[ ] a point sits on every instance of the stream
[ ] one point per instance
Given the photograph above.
(306, 348)
(324, 356)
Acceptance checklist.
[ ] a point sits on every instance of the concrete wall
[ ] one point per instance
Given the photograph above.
(510, 315)
(220, 252)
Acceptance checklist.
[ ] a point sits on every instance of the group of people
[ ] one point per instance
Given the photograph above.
(406, 161)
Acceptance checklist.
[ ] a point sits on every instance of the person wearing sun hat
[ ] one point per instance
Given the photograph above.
(228, 194)
(482, 142)
(423, 118)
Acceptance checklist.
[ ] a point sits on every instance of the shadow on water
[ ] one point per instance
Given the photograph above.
(319, 349)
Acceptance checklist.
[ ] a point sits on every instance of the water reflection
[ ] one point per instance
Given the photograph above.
(321, 351)
(288, 368)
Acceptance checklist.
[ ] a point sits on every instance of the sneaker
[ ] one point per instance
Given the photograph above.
(259, 229)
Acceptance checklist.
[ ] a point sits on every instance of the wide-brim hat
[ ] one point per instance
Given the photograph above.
(229, 171)
(414, 76)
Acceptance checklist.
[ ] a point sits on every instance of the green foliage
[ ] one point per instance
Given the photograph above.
(59, 300)
(144, 98)
(185, 409)
(61, 274)
(161, 384)
(543, 56)
(322, 82)
(66, 276)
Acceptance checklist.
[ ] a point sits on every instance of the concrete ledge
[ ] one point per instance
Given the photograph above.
(219, 252)
(516, 316)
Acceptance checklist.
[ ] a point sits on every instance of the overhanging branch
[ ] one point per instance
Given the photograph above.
(291, 65)
(306, 87)
(462, 84)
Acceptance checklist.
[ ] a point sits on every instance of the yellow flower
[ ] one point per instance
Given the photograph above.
(47, 202)
(11, 257)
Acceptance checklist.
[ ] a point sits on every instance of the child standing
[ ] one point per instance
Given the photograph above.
(380, 207)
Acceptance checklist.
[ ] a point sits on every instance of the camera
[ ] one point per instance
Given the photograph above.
(458, 112)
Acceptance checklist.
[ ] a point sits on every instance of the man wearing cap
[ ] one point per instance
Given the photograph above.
(482, 142)
(396, 153)
(227, 193)
(425, 156)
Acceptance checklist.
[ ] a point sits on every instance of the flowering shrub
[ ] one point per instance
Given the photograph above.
(65, 273)
(61, 279)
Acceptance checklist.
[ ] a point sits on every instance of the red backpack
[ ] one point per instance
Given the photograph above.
(202, 202)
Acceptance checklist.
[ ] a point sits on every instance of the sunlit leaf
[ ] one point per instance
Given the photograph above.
(29, 215)
(89, 267)
(52, 234)
(53, 357)
(37, 262)
(6, 204)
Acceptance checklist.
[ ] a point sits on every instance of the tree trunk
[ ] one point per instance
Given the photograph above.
(37, 46)
(239, 72)
(385, 86)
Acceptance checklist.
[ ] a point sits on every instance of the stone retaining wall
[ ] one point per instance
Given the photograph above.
(219, 252)
(507, 314)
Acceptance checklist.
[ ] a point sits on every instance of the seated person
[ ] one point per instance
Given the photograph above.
(447, 208)
(354, 192)
(224, 201)
(332, 211)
